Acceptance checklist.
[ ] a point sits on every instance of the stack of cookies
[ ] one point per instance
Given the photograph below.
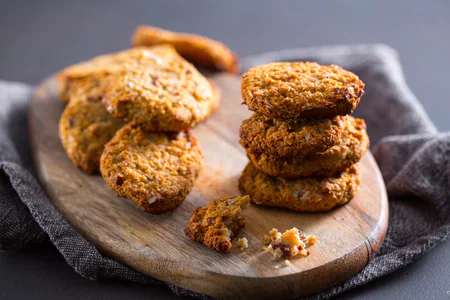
(303, 145)
(129, 114)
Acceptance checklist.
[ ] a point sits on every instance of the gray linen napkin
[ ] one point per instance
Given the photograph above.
(413, 156)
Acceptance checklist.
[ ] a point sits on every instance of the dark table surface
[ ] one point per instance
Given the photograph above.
(40, 37)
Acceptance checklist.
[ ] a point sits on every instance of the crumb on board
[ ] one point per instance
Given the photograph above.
(242, 243)
(287, 263)
(288, 244)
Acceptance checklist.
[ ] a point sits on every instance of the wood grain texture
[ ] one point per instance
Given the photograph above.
(348, 236)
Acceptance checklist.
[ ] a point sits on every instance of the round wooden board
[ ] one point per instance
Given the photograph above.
(347, 237)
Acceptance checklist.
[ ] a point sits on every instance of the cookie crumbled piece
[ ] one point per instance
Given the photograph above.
(215, 224)
(242, 243)
(288, 244)
(199, 50)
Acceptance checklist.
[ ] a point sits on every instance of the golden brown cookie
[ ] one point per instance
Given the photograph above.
(352, 145)
(160, 94)
(197, 49)
(156, 170)
(215, 224)
(309, 194)
(85, 126)
(290, 137)
(71, 78)
(301, 90)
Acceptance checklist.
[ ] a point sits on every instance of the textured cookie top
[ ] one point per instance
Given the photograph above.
(290, 137)
(103, 65)
(160, 94)
(154, 169)
(199, 50)
(301, 89)
(305, 194)
(349, 149)
(85, 125)
(215, 224)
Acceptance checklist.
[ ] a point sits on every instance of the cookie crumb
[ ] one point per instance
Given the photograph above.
(288, 244)
(287, 263)
(242, 243)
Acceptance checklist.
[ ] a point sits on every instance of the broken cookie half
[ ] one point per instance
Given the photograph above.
(215, 224)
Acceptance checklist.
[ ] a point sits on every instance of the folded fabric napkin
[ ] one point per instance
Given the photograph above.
(413, 156)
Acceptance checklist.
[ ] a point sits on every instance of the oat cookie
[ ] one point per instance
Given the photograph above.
(290, 137)
(160, 94)
(352, 145)
(309, 194)
(301, 90)
(215, 224)
(197, 49)
(73, 77)
(85, 126)
(156, 170)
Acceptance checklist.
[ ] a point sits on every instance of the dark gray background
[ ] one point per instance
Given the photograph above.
(37, 38)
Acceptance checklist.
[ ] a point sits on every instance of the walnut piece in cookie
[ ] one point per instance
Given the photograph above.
(215, 224)
(199, 50)
(156, 170)
(288, 244)
(301, 90)
(160, 94)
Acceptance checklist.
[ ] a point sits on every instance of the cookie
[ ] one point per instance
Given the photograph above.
(197, 49)
(160, 94)
(215, 224)
(301, 90)
(73, 77)
(290, 137)
(352, 145)
(309, 194)
(85, 126)
(156, 170)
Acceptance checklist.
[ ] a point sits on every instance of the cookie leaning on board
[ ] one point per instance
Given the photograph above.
(302, 146)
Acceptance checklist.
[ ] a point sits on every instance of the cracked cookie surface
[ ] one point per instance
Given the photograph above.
(309, 194)
(215, 224)
(156, 170)
(290, 137)
(160, 94)
(350, 148)
(301, 90)
(199, 50)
